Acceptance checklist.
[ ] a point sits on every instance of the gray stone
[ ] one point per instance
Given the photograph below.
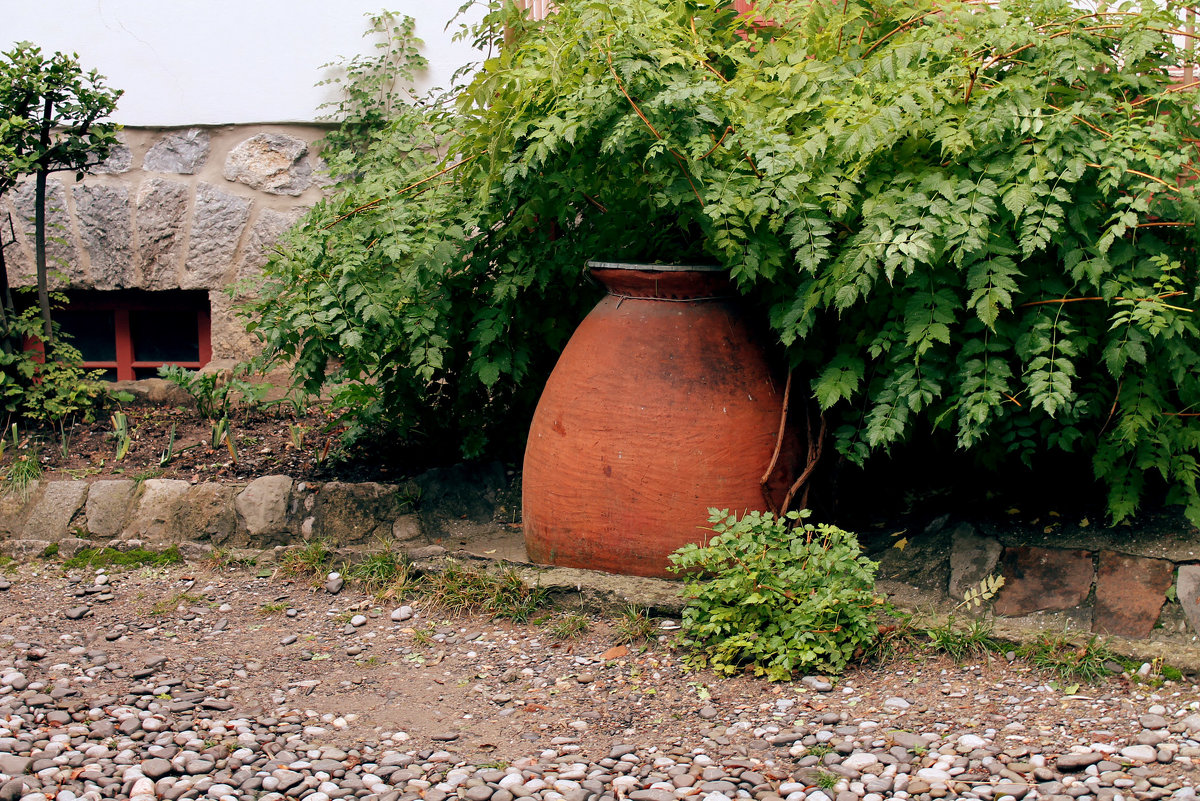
(217, 224)
(108, 505)
(264, 234)
(334, 584)
(1076, 762)
(270, 162)
(55, 504)
(1187, 590)
(354, 514)
(972, 559)
(106, 229)
(262, 509)
(206, 511)
(120, 159)
(180, 152)
(406, 528)
(1142, 753)
(62, 258)
(77, 612)
(14, 765)
(162, 208)
(155, 514)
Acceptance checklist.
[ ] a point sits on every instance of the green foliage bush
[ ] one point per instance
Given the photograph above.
(975, 222)
(40, 389)
(777, 596)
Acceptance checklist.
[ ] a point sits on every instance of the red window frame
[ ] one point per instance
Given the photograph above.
(121, 304)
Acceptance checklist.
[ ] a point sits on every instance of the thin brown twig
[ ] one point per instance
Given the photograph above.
(653, 130)
(1179, 87)
(595, 202)
(1113, 409)
(728, 130)
(783, 414)
(1132, 171)
(1155, 299)
(379, 200)
(814, 456)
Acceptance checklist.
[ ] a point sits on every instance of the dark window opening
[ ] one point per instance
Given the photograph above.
(130, 334)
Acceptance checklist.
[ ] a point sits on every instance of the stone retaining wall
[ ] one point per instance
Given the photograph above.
(182, 208)
(267, 512)
(1103, 583)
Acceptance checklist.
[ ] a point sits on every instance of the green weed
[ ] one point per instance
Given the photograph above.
(310, 559)
(460, 589)
(826, 779)
(1068, 659)
(634, 624)
(273, 608)
(110, 557)
(379, 571)
(569, 626)
(959, 642)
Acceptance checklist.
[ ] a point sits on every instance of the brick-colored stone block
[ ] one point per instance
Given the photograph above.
(1130, 592)
(1043, 580)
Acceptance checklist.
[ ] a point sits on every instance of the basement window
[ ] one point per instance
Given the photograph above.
(130, 334)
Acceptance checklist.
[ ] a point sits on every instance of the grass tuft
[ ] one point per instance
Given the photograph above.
(569, 625)
(310, 559)
(1069, 659)
(634, 624)
(959, 642)
(459, 589)
(383, 571)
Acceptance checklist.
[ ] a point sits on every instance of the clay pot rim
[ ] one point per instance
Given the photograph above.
(656, 268)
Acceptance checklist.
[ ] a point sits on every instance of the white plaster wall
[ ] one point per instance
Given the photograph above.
(214, 62)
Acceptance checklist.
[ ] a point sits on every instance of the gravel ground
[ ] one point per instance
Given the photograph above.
(194, 683)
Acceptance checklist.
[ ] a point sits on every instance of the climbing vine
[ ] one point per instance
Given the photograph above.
(974, 218)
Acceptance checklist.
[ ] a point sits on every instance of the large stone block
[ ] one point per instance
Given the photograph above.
(1043, 579)
(355, 514)
(109, 504)
(262, 509)
(162, 209)
(1187, 590)
(54, 506)
(206, 513)
(120, 159)
(228, 335)
(62, 257)
(106, 228)
(272, 163)
(180, 152)
(154, 519)
(217, 223)
(12, 510)
(1130, 592)
(265, 232)
(972, 559)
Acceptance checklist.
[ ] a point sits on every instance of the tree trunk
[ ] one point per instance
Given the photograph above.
(39, 232)
(6, 307)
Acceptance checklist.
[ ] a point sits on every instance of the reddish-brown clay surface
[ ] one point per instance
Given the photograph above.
(661, 406)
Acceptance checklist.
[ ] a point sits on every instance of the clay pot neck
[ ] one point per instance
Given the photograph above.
(662, 281)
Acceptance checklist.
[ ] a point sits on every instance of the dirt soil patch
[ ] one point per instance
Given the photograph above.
(492, 690)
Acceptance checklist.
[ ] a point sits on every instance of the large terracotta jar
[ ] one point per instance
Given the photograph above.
(661, 406)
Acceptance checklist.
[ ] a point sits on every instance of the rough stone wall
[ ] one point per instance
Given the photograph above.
(175, 208)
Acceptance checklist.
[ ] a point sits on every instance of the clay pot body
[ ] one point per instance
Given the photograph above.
(661, 406)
